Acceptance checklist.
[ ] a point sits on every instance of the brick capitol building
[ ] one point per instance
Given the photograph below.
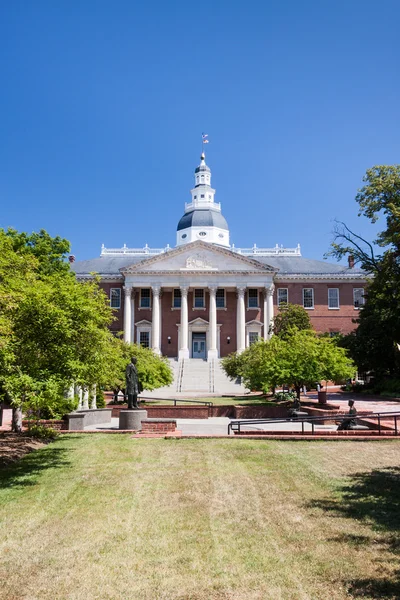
(206, 298)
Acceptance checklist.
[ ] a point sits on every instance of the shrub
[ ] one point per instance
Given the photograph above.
(41, 432)
(285, 396)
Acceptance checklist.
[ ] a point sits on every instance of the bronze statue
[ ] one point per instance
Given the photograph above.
(352, 421)
(132, 383)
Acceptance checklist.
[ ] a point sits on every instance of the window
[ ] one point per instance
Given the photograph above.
(283, 296)
(177, 298)
(209, 196)
(333, 297)
(115, 297)
(253, 337)
(308, 297)
(358, 297)
(201, 195)
(199, 298)
(220, 298)
(144, 339)
(202, 233)
(194, 197)
(333, 334)
(252, 298)
(145, 298)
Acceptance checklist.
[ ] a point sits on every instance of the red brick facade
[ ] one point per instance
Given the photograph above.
(323, 318)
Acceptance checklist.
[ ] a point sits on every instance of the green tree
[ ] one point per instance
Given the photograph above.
(289, 316)
(374, 344)
(298, 359)
(54, 331)
(51, 252)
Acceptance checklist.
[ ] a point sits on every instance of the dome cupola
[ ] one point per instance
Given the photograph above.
(203, 219)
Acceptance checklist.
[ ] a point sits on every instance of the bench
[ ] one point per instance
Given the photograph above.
(297, 414)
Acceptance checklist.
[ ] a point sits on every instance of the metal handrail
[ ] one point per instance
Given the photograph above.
(235, 425)
(175, 400)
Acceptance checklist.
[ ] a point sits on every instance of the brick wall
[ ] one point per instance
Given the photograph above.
(160, 427)
(168, 412)
(58, 425)
(323, 318)
(118, 324)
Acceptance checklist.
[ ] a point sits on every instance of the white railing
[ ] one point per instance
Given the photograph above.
(254, 251)
(277, 250)
(202, 204)
(146, 251)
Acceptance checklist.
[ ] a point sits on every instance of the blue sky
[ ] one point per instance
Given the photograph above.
(103, 104)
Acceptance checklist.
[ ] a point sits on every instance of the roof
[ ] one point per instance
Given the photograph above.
(298, 265)
(202, 218)
(285, 265)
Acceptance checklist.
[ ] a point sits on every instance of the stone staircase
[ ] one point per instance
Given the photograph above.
(222, 384)
(194, 376)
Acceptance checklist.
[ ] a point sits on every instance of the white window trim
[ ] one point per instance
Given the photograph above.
(354, 298)
(194, 299)
(140, 307)
(287, 296)
(116, 307)
(146, 327)
(173, 297)
(224, 306)
(248, 299)
(313, 300)
(253, 327)
(338, 299)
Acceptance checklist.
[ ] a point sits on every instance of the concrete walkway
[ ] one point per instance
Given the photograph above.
(219, 426)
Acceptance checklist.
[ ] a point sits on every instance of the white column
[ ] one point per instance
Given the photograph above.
(78, 392)
(241, 320)
(127, 314)
(270, 308)
(85, 405)
(212, 350)
(155, 328)
(93, 403)
(184, 349)
(133, 292)
(266, 320)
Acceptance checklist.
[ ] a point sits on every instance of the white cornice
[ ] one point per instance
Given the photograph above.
(198, 245)
(348, 277)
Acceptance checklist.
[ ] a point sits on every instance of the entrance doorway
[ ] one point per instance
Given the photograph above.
(199, 345)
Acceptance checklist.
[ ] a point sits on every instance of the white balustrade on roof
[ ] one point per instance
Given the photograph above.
(254, 251)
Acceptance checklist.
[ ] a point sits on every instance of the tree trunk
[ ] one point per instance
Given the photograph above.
(16, 424)
(298, 390)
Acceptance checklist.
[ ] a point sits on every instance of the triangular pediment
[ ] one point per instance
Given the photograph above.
(199, 257)
(198, 322)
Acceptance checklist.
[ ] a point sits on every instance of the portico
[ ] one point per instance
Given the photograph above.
(193, 285)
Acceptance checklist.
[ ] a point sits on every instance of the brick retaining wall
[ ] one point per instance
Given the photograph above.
(158, 426)
(57, 424)
(165, 411)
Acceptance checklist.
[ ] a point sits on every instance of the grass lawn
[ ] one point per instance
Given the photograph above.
(111, 517)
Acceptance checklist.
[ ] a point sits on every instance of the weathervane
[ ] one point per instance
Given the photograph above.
(204, 140)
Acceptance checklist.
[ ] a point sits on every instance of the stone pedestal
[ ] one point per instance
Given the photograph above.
(132, 419)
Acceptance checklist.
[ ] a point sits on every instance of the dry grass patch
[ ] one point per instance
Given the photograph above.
(110, 517)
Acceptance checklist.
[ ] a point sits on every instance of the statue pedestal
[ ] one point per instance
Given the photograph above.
(132, 419)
